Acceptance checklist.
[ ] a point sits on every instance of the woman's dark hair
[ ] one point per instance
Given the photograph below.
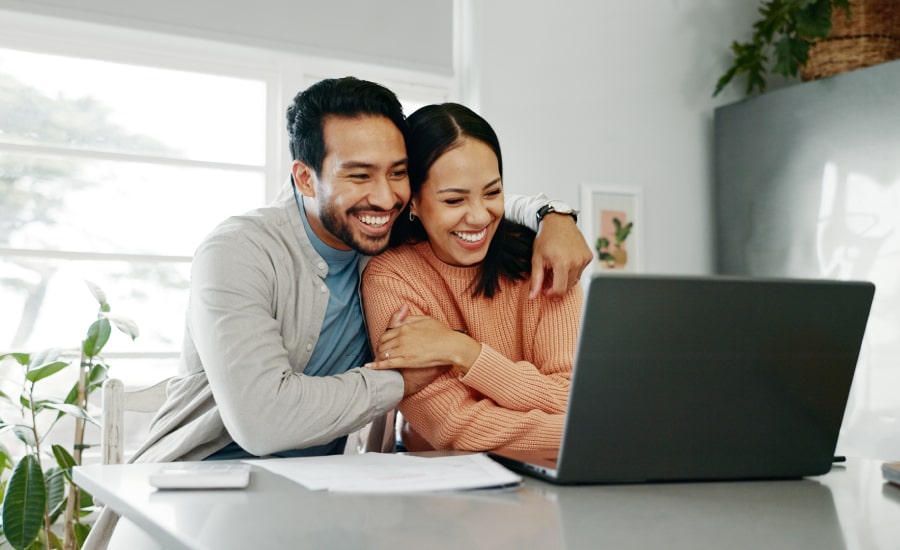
(347, 97)
(432, 131)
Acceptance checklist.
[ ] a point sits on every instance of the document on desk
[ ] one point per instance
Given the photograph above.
(391, 473)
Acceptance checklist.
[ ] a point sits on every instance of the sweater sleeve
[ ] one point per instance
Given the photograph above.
(499, 403)
(451, 416)
(543, 382)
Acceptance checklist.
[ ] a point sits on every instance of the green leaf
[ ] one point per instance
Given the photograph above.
(21, 358)
(6, 396)
(81, 532)
(55, 480)
(98, 293)
(97, 336)
(96, 376)
(43, 371)
(24, 503)
(814, 20)
(25, 435)
(724, 80)
(126, 325)
(72, 396)
(65, 460)
(48, 355)
(790, 54)
(86, 499)
(72, 410)
(5, 459)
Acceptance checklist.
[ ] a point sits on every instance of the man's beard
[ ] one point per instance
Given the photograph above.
(370, 246)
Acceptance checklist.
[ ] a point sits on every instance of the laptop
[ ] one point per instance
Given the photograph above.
(706, 378)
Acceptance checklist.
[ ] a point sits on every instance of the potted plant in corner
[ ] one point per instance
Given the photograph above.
(38, 494)
(815, 39)
(781, 41)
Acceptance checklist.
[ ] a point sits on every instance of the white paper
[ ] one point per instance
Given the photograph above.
(391, 473)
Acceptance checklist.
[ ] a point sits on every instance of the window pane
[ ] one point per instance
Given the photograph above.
(88, 205)
(47, 304)
(101, 106)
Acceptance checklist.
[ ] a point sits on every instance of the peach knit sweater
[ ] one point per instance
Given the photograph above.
(515, 395)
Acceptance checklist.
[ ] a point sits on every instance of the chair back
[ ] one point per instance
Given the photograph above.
(115, 402)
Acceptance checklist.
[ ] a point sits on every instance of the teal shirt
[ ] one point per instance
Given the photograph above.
(343, 343)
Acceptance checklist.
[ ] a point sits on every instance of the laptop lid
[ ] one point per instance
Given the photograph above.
(702, 378)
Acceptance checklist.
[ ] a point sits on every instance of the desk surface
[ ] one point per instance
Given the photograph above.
(849, 508)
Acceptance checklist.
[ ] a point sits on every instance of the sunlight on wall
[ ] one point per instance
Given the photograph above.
(857, 238)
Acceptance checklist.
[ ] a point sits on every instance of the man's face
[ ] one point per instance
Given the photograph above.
(363, 185)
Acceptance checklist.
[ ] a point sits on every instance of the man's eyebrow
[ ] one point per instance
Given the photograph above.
(354, 164)
(456, 190)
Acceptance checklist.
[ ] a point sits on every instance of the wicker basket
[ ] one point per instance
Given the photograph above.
(871, 35)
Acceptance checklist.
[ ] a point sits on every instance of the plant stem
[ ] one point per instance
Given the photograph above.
(72, 504)
(37, 451)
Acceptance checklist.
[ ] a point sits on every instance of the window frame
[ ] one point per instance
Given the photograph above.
(283, 73)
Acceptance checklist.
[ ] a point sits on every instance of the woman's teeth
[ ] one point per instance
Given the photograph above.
(471, 237)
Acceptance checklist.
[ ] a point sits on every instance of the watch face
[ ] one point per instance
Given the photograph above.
(548, 208)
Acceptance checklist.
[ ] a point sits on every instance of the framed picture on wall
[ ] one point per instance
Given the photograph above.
(611, 221)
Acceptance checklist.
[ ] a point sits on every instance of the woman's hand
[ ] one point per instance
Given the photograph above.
(420, 341)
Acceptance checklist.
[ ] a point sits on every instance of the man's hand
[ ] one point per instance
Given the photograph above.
(416, 379)
(560, 255)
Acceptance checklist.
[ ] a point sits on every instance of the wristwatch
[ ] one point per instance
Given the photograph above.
(557, 207)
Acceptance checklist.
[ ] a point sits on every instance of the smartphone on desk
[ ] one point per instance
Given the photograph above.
(201, 475)
(891, 472)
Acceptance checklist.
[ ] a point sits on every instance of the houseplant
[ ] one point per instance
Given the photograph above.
(38, 495)
(781, 40)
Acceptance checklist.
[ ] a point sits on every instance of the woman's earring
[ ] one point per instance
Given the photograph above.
(412, 217)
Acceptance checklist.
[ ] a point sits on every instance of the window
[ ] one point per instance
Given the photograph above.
(113, 173)
(119, 151)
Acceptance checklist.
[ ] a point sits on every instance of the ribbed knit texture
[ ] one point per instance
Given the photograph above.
(514, 396)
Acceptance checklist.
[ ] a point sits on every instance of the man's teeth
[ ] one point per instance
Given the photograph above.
(471, 237)
(375, 220)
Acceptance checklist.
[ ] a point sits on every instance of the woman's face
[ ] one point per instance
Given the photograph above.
(460, 205)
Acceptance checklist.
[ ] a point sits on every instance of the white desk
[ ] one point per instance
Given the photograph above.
(850, 508)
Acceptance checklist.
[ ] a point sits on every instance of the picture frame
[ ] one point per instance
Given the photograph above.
(614, 213)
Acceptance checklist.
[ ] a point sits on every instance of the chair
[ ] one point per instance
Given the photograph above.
(115, 401)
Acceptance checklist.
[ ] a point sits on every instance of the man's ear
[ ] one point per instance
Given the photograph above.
(304, 178)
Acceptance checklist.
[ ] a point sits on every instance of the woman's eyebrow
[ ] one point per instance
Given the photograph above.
(466, 191)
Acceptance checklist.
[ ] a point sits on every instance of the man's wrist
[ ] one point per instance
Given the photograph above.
(556, 207)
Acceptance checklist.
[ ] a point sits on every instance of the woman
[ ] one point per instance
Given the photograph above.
(463, 271)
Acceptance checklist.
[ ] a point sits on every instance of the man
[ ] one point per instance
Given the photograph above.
(275, 334)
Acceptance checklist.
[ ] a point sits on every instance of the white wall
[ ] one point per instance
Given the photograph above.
(609, 92)
(401, 33)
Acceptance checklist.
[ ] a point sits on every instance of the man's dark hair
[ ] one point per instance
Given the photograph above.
(434, 130)
(347, 97)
